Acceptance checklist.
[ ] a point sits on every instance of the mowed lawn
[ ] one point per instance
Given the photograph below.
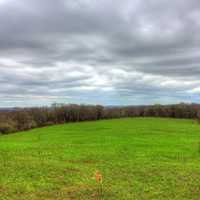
(139, 158)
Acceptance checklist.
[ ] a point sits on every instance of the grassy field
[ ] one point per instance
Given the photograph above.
(140, 158)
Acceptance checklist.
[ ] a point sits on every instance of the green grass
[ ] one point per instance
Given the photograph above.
(139, 158)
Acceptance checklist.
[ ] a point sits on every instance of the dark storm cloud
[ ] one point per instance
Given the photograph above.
(110, 52)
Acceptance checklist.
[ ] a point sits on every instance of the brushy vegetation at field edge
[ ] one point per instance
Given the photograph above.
(139, 158)
(20, 119)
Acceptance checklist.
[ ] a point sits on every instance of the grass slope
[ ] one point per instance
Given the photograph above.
(140, 158)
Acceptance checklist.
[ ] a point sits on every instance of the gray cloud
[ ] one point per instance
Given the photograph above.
(109, 52)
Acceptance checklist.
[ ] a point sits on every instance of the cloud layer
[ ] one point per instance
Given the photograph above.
(99, 52)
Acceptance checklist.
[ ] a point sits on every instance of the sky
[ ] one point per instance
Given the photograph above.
(108, 52)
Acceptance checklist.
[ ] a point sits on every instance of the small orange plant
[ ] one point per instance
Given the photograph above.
(99, 179)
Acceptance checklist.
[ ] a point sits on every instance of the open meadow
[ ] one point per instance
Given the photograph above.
(138, 158)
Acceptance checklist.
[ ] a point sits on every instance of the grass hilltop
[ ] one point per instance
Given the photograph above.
(139, 158)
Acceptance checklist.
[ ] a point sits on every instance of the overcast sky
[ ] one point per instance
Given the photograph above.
(99, 52)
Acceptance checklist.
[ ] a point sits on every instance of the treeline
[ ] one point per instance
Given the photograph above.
(27, 118)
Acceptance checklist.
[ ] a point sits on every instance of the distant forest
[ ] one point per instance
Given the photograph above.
(19, 119)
